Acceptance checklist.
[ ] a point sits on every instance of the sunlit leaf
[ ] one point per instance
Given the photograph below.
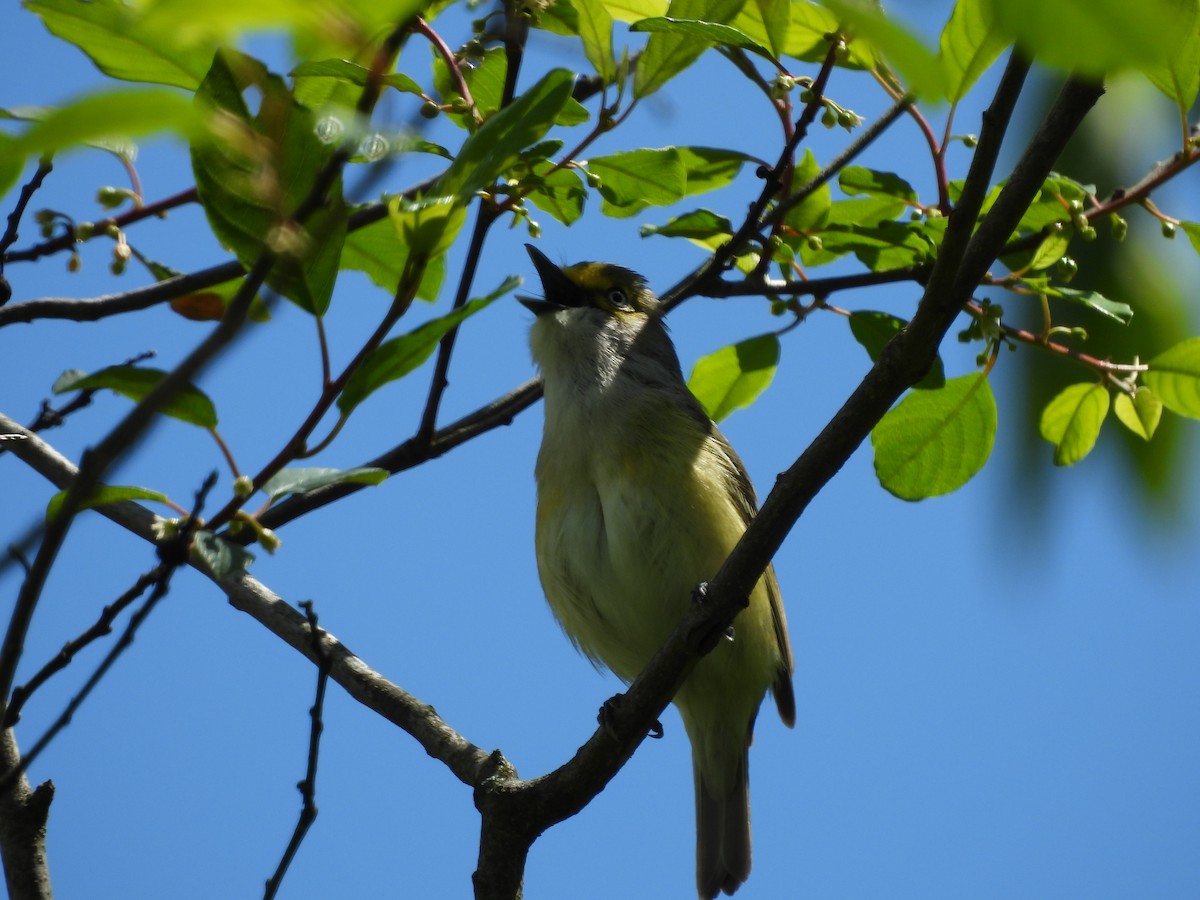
(712, 32)
(1140, 413)
(933, 442)
(915, 63)
(634, 179)
(1175, 377)
(734, 376)
(1072, 420)
(111, 34)
(970, 43)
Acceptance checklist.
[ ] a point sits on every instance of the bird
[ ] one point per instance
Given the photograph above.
(640, 499)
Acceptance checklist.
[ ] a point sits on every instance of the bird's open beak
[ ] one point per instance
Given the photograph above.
(560, 292)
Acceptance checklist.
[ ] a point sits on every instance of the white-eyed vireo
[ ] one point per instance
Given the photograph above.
(640, 499)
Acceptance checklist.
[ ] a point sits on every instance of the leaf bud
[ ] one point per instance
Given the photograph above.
(243, 487)
(1168, 230)
(1088, 233)
(1066, 269)
(1120, 227)
(429, 110)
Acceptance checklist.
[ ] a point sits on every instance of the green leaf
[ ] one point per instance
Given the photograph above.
(111, 34)
(766, 22)
(301, 481)
(633, 10)
(219, 556)
(1072, 420)
(1093, 37)
(970, 43)
(709, 168)
(378, 251)
(111, 116)
(1178, 75)
(485, 81)
(1051, 249)
(1192, 230)
(498, 143)
(856, 180)
(874, 329)
(734, 376)
(669, 53)
(396, 358)
(1139, 413)
(595, 31)
(701, 226)
(105, 495)
(904, 51)
(188, 404)
(813, 211)
(427, 226)
(933, 442)
(353, 73)
(252, 179)
(1174, 376)
(712, 32)
(1097, 302)
(561, 192)
(635, 179)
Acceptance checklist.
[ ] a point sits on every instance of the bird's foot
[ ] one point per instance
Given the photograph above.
(607, 717)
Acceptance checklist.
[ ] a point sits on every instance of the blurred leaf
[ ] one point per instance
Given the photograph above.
(321, 82)
(635, 179)
(711, 32)
(668, 54)
(105, 495)
(766, 22)
(1072, 420)
(256, 175)
(396, 358)
(1178, 74)
(1097, 36)
(1140, 413)
(498, 143)
(1175, 377)
(633, 10)
(301, 481)
(112, 115)
(806, 39)
(734, 376)
(874, 329)
(188, 404)
(111, 34)
(933, 442)
(914, 62)
(970, 43)
(485, 81)
(220, 556)
(1192, 230)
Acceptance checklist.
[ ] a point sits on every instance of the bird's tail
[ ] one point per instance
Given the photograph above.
(722, 829)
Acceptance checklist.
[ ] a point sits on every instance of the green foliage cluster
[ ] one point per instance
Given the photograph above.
(267, 152)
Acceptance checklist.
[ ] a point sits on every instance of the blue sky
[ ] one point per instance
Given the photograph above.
(997, 696)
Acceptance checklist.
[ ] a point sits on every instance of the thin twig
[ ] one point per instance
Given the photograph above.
(71, 648)
(172, 553)
(308, 786)
(45, 166)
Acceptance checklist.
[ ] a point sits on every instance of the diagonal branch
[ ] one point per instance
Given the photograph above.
(466, 761)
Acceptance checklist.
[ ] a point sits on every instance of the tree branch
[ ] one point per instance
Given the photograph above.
(23, 814)
(467, 762)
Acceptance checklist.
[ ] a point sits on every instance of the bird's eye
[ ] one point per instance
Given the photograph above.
(616, 297)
